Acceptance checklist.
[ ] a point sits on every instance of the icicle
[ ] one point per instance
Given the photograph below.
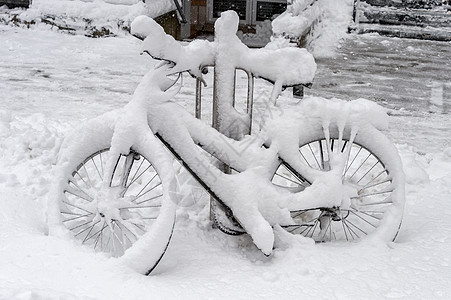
(276, 91)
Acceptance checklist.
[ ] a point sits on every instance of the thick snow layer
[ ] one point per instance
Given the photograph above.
(335, 20)
(330, 19)
(46, 95)
(297, 19)
(108, 12)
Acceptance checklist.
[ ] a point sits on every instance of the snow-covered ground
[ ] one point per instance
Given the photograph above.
(51, 82)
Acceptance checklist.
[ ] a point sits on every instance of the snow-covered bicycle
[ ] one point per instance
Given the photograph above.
(321, 168)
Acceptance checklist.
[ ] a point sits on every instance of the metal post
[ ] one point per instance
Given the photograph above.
(198, 111)
(215, 112)
(250, 98)
(234, 87)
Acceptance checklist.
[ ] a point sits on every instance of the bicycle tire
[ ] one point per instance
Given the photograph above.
(114, 230)
(377, 176)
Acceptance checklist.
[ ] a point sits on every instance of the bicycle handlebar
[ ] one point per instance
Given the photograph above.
(159, 45)
(283, 67)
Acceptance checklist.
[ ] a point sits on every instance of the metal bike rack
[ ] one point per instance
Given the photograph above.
(215, 115)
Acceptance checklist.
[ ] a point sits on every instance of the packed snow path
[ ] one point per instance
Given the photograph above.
(51, 82)
(412, 77)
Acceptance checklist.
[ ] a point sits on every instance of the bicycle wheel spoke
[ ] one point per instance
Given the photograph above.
(372, 216)
(76, 218)
(360, 166)
(71, 213)
(345, 226)
(150, 199)
(129, 230)
(128, 165)
(80, 232)
(76, 194)
(352, 162)
(83, 195)
(385, 201)
(348, 156)
(388, 179)
(360, 217)
(92, 227)
(351, 232)
(328, 226)
(385, 191)
(136, 172)
(302, 212)
(81, 177)
(87, 175)
(358, 228)
(96, 241)
(77, 207)
(97, 169)
(344, 230)
(148, 191)
(314, 227)
(294, 228)
(330, 230)
(344, 146)
(369, 170)
(286, 178)
(101, 239)
(142, 206)
(321, 155)
(80, 225)
(305, 158)
(138, 226)
(101, 163)
(314, 156)
(119, 239)
(127, 238)
(147, 184)
(107, 243)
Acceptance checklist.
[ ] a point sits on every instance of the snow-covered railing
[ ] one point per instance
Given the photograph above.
(297, 21)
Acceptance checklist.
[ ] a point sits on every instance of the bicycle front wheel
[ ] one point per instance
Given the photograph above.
(114, 214)
(372, 167)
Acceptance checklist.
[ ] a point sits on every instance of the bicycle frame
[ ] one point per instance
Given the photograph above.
(224, 115)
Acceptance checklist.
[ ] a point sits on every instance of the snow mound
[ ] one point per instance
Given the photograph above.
(414, 169)
(125, 10)
(92, 18)
(28, 138)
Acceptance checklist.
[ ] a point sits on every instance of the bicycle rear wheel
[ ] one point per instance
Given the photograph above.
(372, 168)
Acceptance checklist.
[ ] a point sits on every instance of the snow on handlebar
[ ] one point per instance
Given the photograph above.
(283, 67)
(161, 46)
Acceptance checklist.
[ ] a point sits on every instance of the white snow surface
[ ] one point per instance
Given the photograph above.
(45, 95)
